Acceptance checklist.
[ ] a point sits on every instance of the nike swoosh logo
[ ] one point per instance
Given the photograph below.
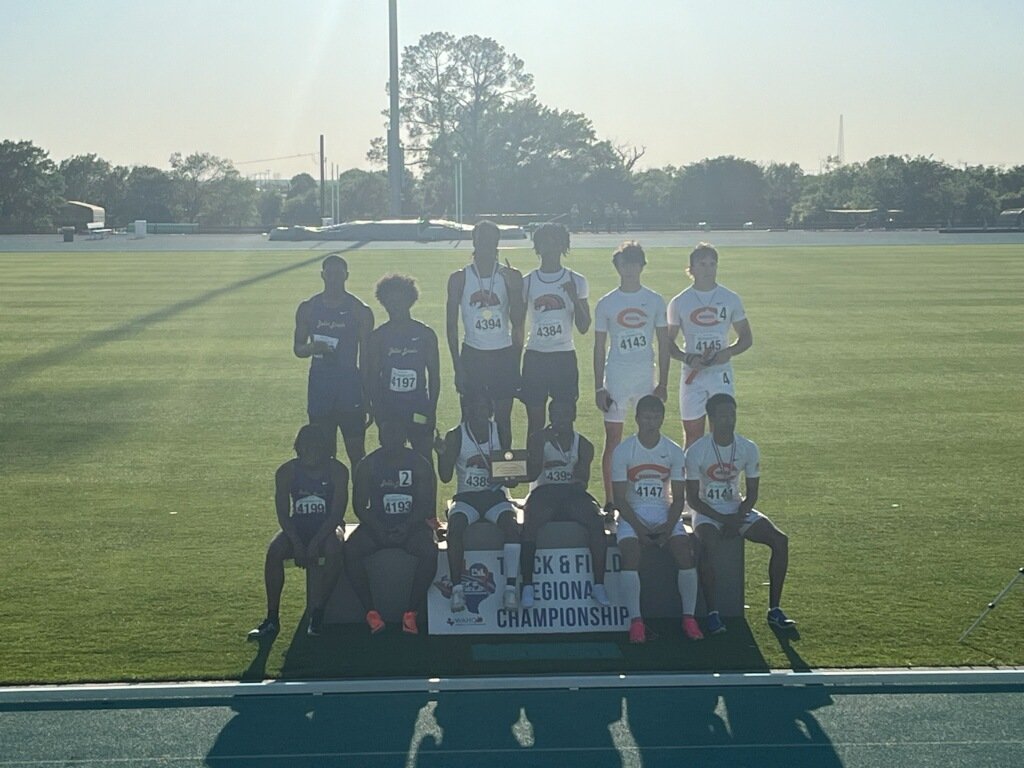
(415, 338)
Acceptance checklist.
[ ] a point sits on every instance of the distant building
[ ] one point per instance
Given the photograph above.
(79, 215)
(1012, 218)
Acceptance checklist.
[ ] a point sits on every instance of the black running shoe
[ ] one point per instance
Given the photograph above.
(268, 628)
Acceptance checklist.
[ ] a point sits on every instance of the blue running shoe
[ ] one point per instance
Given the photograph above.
(778, 619)
(714, 624)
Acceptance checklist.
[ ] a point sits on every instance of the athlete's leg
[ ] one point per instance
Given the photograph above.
(764, 532)
(535, 416)
(457, 524)
(352, 424)
(503, 420)
(509, 526)
(279, 550)
(708, 537)
(537, 514)
(629, 576)
(420, 544)
(325, 576)
(686, 579)
(360, 545)
(693, 430)
(612, 438)
(585, 511)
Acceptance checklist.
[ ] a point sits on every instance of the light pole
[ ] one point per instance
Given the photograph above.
(395, 161)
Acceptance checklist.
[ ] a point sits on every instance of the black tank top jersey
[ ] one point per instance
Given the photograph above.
(311, 499)
(339, 326)
(391, 485)
(403, 370)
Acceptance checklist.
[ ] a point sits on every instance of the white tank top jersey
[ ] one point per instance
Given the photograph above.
(719, 468)
(705, 317)
(473, 464)
(559, 466)
(550, 309)
(630, 320)
(485, 311)
(648, 471)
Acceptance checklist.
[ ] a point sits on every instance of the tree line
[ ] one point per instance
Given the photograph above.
(470, 116)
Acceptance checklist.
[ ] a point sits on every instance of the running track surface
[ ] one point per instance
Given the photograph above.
(816, 725)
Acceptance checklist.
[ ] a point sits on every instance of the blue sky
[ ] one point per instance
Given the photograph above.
(136, 81)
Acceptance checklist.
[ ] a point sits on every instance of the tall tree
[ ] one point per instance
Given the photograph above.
(150, 195)
(30, 188)
(193, 175)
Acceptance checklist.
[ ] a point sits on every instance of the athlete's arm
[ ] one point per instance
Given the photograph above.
(424, 491)
(753, 485)
(516, 305)
(456, 285)
(535, 454)
(433, 373)
(620, 489)
(744, 341)
(584, 462)
(301, 344)
(664, 361)
(366, 322)
(371, 370)
(697, 504)
(673, 348)
(580, 307)
(361, 481)
(282, 505)
(601, 397)
(446, 459)
(336, 514)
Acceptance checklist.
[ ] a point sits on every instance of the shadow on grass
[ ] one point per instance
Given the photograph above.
(40, 361)
(40, 429)
(349, 651)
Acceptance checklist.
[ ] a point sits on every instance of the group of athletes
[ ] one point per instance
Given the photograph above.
(511, 337)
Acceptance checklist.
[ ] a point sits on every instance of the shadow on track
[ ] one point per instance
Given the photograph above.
(40, 361)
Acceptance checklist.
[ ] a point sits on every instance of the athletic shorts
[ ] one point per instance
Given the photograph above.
(752, 517)
(625, 395)
(567, 503)
(328, 396)
(693, 398)
(480, 505)
(549, 374)
(651, 515)
(494, 372)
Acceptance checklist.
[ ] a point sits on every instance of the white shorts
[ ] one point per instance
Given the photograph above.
(752, 517)
(693, 397)
(650, 516)
(472, 514)
(625, 395)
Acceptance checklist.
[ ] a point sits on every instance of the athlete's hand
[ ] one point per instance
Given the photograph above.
(661, 392)
(721, 357)
(603, 400)
(319, 347)
(731, 529)
(369, 416)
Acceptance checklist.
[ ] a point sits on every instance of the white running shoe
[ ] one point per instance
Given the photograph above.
(510, 600)
(527, 599)
(600, 595)
(458, 599)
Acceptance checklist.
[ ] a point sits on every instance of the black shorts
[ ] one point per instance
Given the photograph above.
(549, 374)
(565, 502)
(495, 372)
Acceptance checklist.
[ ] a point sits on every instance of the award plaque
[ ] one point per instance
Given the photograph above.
(508, 465)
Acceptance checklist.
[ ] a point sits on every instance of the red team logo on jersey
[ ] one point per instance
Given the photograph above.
(632, 317)
(484, 299)
(548, 302)
(646, 472)
(722, 473)
(704, 316)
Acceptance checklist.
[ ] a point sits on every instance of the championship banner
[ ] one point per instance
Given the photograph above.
(562, 585)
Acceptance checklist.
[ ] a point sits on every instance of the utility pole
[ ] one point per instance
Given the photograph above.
(323, 189)
(395, 161)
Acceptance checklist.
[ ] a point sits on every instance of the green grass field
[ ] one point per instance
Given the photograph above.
(146, 399)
